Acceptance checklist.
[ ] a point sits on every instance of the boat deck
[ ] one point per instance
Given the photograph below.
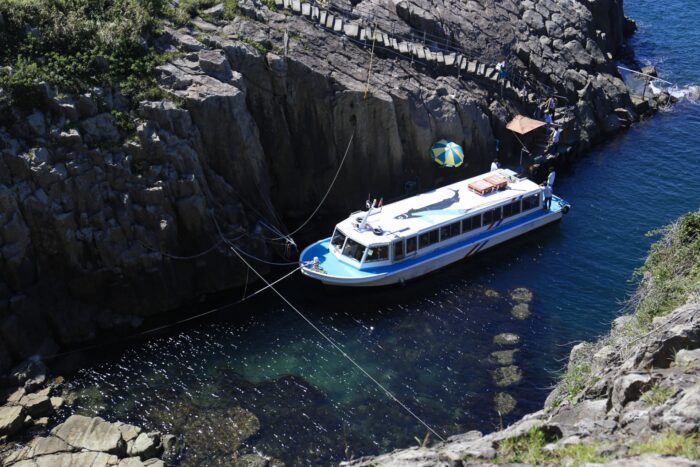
(418, 213)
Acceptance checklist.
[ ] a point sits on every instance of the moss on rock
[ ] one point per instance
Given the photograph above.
(507, 375)
(521, 311)
(521, 295)
(503, 357)
(504, 403)
(506, 338)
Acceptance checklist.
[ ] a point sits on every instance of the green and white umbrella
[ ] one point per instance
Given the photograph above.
(447, 154)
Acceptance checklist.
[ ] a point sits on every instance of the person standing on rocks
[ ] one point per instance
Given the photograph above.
(548, 118)
(556, 135)
(552, 104)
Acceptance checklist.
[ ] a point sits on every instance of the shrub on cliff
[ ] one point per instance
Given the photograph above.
(671, 273)
(76, 44)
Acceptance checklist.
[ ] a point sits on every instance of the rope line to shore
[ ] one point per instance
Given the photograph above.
(328, 191)
(336, 346)
(173, 324)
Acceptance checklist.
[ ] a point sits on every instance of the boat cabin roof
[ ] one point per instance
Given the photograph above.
(419, 213)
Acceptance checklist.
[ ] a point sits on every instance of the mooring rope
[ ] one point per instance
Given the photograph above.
(169, 325)
(337, 347)
(328, 191)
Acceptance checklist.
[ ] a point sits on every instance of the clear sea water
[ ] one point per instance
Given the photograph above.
(429, 342)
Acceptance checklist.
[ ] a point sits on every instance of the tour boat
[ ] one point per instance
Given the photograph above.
(409, 238)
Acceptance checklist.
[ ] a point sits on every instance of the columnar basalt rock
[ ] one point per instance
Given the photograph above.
(95, 221)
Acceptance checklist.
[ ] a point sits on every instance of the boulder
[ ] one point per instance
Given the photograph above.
(30, 374)
(217, 11)
(11, 419)
(506, 338)
(144, 446)
(94, 434)
(629, 387)
(215, 64)
(37, 447)
(71, 459)
(100, 128)
(37, 123)
(37, 405)
(684, 415)
(649, 70)
(86, 106)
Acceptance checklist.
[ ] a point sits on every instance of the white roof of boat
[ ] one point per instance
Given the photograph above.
(442, 205)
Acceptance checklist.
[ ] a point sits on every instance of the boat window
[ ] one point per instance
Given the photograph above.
(428, 238)
(471, 223)
(338, 239)
(449, 231)
(511, 209)
(353, 249)
(398, 250)
(531, 202)
(492, 216)
(411, 245)
(377, 253)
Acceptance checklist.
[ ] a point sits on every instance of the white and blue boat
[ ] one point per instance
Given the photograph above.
(414, 236)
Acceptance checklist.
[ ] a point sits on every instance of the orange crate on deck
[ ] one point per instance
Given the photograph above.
(497, 181)
(481, 187)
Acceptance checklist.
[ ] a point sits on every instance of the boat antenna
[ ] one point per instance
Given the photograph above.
(363, 224)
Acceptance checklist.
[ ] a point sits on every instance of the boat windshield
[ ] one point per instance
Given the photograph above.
(354, 250)
(338, 239)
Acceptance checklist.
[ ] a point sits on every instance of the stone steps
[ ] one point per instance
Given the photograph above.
(352, 28)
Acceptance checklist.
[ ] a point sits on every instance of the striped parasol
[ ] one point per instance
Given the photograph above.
(447, 154)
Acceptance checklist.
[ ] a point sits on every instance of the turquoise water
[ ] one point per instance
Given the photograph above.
(428, 342)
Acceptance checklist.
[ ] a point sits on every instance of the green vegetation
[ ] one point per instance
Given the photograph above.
(657, 395)
(670, 443)
(671, 272)
(76, 44)
(528, 449)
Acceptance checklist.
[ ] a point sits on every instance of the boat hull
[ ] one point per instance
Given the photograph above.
(430, 263)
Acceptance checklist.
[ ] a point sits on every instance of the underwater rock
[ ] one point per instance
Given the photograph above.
(491, 293)
(507, 375)
(504, 403)
(503, 357)
(521, 294)
(521, 311)
(216, 434)
(506, 338)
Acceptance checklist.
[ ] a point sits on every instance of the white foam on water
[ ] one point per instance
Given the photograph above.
(690, 92)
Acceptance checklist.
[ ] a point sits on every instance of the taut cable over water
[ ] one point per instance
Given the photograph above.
(336, 346)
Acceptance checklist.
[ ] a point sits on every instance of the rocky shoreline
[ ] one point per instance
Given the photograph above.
(630, 399)
(638, 395)
(30, 406)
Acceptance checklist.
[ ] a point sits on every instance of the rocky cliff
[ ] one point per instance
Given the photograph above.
(112, 210)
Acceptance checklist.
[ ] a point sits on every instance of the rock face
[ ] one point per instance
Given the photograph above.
(90, 441)
(101, 226)
(646, 390)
